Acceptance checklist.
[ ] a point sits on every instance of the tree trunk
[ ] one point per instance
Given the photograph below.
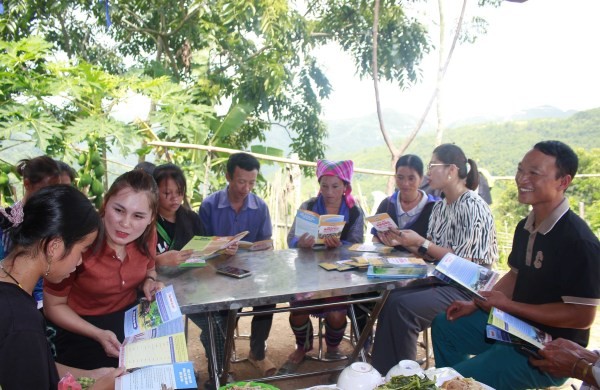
(412, 135)
(440, 127)
(386, 137)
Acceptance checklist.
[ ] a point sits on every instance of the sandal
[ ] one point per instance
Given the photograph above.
(265, 366)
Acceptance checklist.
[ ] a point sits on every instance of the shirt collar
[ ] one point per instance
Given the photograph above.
(249, 202)
(546, 226)
(415, 210)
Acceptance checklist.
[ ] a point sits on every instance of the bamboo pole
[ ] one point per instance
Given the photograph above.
(259, 156)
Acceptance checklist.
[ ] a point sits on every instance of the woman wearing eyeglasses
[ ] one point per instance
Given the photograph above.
(461, 223)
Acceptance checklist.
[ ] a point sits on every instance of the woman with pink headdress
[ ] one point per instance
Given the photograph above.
(334, 198)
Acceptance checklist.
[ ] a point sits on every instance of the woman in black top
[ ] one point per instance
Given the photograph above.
(59, 224)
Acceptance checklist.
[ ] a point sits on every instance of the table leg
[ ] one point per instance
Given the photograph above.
(213, 356)
(231, 321)
(369, 326)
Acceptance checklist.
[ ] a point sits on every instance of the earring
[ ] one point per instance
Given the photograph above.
(449, 177)
(47, 270)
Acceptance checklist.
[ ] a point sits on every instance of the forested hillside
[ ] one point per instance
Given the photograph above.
(495, 146)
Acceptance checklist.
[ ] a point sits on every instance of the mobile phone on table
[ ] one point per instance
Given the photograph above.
(234, 272)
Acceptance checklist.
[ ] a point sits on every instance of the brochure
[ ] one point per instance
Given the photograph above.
(405, 271)
(148, 315)
(465, 274)
(175, 376)
(396, 273)
(207, 247)
(256, 246)
(505, 327)
(382, 222)
(318, 226)
(151, 352)
(378, 248)
(155, 340)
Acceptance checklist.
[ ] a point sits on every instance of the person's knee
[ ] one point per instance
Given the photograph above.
(439, 323)
(336, 319)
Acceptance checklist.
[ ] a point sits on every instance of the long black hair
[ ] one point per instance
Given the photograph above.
(57, 211)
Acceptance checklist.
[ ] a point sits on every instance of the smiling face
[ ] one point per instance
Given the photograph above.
(332, 188)
(537, 181)
(126, 216)
(61, 268)
(169, 197)
(408, 181)
(241, 183)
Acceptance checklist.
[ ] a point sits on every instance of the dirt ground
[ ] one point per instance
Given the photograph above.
(281, 344)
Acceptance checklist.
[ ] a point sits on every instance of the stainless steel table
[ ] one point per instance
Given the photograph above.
(277, 277)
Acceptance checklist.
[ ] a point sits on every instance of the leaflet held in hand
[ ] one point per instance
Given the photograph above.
(170, 376)
(205, 247)
(154, 332)
(465, 274)
(152, 315)
(382, 222)
(505, 327)
(318, 226)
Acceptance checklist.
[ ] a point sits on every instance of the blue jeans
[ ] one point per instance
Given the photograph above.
(496, 364)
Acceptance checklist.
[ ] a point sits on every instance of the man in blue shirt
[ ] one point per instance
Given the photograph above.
(226, 213)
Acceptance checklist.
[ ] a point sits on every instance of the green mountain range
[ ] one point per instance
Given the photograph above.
(496, 144)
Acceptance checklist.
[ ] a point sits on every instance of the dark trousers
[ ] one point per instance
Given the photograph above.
(83, 352)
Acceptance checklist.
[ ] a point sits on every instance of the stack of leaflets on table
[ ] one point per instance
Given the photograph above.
(505, 327)
(256, 246)
(377, 248)
(382, 222)
(465, 274)
(155, 343)
(318, 226)
(398, 268)
(207, 247)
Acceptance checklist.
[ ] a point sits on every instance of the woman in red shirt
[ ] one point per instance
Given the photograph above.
(89, 306)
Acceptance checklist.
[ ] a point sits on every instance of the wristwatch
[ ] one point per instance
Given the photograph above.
(424, 247)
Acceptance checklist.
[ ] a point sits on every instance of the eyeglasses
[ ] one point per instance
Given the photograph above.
(431, 165)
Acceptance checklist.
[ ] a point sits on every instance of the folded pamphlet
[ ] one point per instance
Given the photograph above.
(398, 268)
(318, 226)
(465, 274)
(377, 248)
(177, 376)
(382, 222)
(505, 327)
(207, 247)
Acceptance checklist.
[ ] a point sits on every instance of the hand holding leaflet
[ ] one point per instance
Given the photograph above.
(382, 222)
(465, 274)
(505, 327)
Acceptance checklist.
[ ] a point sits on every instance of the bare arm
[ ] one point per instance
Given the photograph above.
(61, 314)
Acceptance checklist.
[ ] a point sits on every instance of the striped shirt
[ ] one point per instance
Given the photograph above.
(466, 226)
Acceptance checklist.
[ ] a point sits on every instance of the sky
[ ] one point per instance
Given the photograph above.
(540, 52)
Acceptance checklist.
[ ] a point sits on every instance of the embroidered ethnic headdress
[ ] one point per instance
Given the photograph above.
(343, 170)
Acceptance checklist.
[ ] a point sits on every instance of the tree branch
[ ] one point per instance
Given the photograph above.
(374, 66)
(412, 135)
